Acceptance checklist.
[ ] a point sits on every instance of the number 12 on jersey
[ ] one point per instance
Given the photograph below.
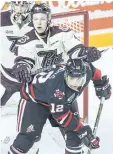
(56, 108)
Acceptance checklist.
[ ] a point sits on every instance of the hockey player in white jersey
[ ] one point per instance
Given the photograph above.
(48, 45)
(14, 25)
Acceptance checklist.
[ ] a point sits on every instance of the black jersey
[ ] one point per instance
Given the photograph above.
(51, 86)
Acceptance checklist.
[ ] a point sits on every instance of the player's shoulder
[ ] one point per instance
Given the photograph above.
(90, 69)
(59, 29)
(28, 37)
(5, 18)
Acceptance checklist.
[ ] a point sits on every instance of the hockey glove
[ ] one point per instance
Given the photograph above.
(92, 54)
(22, 72)
(86, 135)
(102, 88)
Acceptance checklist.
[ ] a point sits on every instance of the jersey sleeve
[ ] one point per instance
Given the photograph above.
(27, 48)
(96, 73)
(27, 54)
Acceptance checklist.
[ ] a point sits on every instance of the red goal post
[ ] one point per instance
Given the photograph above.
(78, 21)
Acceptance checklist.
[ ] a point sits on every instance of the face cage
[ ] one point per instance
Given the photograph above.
(26, 5)
(71, 72)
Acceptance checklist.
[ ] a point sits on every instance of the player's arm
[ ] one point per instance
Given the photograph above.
(75, 48)
(24, 63)
(101, 83)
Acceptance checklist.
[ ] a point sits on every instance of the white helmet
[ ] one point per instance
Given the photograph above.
(25, 4)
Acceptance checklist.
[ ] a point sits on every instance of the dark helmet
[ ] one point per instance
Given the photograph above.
(76, 68)
(42, 8)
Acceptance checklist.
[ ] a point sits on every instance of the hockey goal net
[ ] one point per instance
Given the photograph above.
(78, 21)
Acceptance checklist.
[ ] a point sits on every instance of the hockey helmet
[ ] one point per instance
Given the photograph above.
(42, 8)
(21, 12)
(75, 73)
(21, 6)
(76, 67)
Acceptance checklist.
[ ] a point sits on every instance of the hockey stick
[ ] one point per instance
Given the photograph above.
(40, 70)
(97, 120)
(55, 65)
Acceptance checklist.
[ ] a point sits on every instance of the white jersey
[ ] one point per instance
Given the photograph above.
(59, 43)
(10, 33)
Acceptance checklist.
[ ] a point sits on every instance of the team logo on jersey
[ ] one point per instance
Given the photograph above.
(70, 99)
(9, 31)
(30, 129)
(50, 57)
(59, 94)
(39, 46)
(64, 28)
(23, 39)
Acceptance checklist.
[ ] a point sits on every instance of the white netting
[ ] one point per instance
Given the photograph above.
(76, 23)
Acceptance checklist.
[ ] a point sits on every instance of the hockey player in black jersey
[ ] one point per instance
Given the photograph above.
(43, 46)
(53, 92)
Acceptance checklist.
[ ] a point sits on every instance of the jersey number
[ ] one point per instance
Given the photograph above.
(13, 48)
(56, 108)
(42, 77)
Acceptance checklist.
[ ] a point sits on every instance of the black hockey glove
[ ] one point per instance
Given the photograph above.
(92, 54)
(86, 135)
(102, 88)
(22, 72)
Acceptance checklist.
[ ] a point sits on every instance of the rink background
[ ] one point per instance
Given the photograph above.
(105, 131)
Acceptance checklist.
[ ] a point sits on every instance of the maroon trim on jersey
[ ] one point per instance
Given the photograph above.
(19, 118)
(5, 19)
(44, 104)
(97, 75)
(31, 36)
(32, 91)
(23, 92)
(69, 120)
(80, 124)
(62, 116)
(23, 59)
(15, 150)
(57, 29)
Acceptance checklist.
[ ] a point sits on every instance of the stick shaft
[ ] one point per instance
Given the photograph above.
(97, 121)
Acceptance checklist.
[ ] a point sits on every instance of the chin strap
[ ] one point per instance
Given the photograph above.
(45, 33)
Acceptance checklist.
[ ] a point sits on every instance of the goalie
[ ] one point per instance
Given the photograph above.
(48, 94)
